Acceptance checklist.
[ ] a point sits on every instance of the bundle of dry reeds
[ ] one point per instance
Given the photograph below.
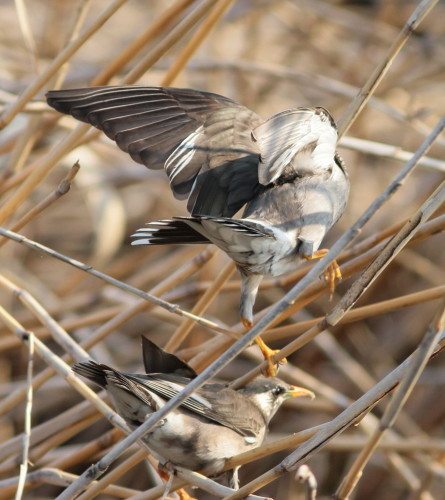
(72, 288)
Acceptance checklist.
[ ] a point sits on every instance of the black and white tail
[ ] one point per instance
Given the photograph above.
(167, 232)
(198, 229)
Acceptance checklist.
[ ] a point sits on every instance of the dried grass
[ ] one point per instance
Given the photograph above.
(351, 351)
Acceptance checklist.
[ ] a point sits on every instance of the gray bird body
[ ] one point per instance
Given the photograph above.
(184, 437)
(213, 424)
(222, 156)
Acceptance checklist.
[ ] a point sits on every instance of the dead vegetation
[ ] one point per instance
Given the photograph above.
(384, 83)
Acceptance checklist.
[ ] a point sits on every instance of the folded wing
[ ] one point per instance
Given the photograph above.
(284, 137)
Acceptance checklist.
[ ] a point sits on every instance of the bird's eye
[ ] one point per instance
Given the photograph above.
(278, 390)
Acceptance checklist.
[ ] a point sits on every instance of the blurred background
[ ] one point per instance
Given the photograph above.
(268, 55)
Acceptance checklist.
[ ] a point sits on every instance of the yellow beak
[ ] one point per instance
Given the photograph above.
(296, 392)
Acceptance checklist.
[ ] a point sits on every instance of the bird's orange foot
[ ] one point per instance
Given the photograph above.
(165, 473)
(268, 353)
(332, 273)
(183, 495)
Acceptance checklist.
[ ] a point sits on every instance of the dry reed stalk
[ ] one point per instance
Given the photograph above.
(219, 345)
(88, 450)
(25, 143)
(17, 178)
(33, 131)
(74, 33)
(168, 42)
(413, 372)
(65, 435)
(368, 425)
(422, 267)
(360, 313)
(399, 444)
(39, 170)
(59, 478)
(271, 447)
(356, 106)
(44, 430)
(58, 62)
(173, 308)
(113, 475)
(327, 84)
(64, 370)
(157, 28)
(40, 450)
(58, 333)
(25, 28)
(185, 328)
(77, 303)
(187, 269)
(365, 252)
(389, 151)
(27, 426)
(330, 429)
(197, 39)
(58, 364)
(62, 189)
(42, 168)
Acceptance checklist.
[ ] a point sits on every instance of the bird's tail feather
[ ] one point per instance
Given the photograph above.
(92, 371)
(168, 232)
(187, 230)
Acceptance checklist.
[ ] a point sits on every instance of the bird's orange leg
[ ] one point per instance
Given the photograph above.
(268, 353)
(183, 495)
(332, 273)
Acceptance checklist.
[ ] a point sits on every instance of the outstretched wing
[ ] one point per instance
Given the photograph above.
(203, 140)
(292, 133)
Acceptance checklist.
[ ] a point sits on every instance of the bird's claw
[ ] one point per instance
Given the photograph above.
(332, 274)
(166, 471)
(272, 367)
(183, 495)
(268, 353)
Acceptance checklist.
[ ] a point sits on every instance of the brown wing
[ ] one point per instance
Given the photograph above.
(215, 402)
(203, 140)
(237, 411)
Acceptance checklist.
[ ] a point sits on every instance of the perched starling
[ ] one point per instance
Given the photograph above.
(213, 424)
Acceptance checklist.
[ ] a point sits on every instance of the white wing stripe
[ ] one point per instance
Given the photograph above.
(182, 155)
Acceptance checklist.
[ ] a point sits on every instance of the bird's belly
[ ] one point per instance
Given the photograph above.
(206, 448)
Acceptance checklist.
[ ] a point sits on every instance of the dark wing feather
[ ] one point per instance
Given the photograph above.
(156, 360)
(203, 140)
